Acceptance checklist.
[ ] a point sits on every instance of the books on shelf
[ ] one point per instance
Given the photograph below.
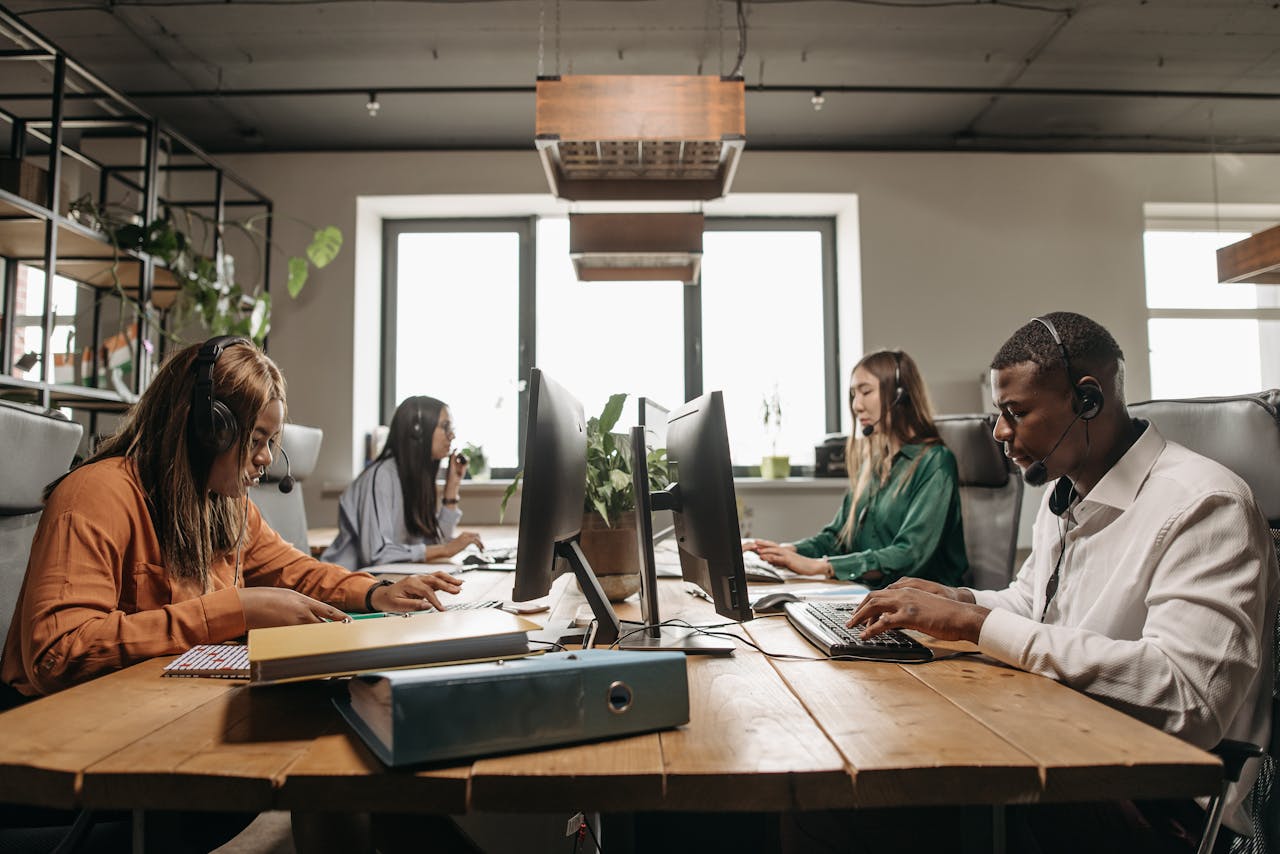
(321, 650)
(527, 703)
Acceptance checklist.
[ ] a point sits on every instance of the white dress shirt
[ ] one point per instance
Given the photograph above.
(1166, 600)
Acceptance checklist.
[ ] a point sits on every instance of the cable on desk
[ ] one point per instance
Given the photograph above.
(556, 646)
(785, 656)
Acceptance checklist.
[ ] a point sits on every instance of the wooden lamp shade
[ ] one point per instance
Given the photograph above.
(640, 137)
(1256, 259)
(636, 247)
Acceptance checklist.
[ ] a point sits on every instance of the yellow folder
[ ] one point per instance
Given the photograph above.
(320, 650)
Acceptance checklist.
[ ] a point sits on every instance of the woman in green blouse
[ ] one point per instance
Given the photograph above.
(901, 515)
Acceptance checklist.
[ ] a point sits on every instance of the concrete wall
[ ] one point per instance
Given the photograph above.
(956, 250)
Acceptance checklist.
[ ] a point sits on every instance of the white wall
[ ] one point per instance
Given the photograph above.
(957, 250)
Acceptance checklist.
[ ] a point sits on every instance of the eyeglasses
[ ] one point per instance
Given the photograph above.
(446, 427)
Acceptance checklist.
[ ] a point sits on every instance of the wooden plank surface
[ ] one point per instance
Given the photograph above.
(337, 772)
(750, 744)
(1086, 750)
(46, 744)
(227, 754)
(904, 743)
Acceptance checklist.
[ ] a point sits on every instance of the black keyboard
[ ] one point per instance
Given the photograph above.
(823, 623)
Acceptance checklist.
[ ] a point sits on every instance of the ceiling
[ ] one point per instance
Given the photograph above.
(948, 75)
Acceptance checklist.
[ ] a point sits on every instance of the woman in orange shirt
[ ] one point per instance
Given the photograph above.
(152, 545)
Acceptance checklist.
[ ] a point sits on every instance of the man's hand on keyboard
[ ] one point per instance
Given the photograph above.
(945, 613)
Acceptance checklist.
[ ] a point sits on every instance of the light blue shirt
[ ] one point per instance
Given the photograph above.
(371, 529)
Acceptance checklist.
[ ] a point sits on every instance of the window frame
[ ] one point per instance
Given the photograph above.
(1249, 224)
(526, 229)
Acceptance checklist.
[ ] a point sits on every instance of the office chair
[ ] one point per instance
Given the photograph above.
(286, 512)
(38, 448)
(1242, 433)
(990, 499)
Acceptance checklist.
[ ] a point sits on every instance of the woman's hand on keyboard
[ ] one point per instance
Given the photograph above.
(757, 545)
(786, 557)
(416, 592)
(911, 607)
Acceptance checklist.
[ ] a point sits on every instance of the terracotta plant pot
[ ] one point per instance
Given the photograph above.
(612, 553)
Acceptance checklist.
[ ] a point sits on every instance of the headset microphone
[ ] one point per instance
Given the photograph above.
(870, 428)
(286, 482)
(1037, 473)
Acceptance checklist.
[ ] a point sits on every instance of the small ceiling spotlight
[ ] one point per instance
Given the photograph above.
(373, 106)
(817, 100)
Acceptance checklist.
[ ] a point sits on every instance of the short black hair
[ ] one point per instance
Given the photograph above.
(1090, 347)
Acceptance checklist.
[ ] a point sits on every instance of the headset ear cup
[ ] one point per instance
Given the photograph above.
(1090, 400)
(223, 431)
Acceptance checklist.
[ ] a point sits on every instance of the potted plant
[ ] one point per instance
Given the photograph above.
(477, 462)
(210, 290)
(608, 537)
(775, 466)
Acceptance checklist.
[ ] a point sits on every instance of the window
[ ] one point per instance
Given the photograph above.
(471, 305)
(451, 325)
(1196, 326)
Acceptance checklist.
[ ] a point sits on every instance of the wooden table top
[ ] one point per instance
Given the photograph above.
(764, 734)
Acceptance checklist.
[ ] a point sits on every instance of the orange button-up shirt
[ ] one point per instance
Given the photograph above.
(97, 596)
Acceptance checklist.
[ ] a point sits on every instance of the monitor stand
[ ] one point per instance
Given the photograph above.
(607, 626)
(648, 635)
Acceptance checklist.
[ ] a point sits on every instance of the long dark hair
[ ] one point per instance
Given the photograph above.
(409, 444)
(907, 418)
(194, 527)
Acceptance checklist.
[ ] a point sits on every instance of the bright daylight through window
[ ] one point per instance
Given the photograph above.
(756, 320)
(1191, 315)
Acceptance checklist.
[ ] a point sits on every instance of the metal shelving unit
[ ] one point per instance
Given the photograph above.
(84, 134)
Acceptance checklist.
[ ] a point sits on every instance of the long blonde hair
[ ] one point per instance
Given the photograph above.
(193, 526)
(905, 415)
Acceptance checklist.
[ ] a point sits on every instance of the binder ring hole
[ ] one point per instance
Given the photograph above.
(619, 697)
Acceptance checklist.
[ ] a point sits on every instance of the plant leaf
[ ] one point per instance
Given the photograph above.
(603, 510)
(297, 275)
(506, 496)
(612, 410)
(620, 479)
(260, 318)
(324, 247)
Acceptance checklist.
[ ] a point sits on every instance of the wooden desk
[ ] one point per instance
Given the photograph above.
(764, 735)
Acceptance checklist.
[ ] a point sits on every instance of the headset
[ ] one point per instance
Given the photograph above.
(898, 393)
(213, 428)
(1088, 395)
(1086, 403)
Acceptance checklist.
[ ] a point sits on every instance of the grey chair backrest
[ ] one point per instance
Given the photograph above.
(286, 512)
(1242, 433)
(990, 498)
(37, 448)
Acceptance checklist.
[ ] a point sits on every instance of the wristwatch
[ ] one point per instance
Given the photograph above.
(448, 501)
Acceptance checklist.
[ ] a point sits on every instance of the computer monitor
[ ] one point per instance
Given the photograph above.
(555, 475)
(652, 416)
(705, 509)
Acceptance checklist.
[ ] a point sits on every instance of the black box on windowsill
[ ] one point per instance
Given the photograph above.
(828, 458)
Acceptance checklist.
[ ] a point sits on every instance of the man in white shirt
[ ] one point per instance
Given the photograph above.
(1152, 580)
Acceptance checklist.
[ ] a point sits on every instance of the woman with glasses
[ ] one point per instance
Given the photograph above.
(392, 514)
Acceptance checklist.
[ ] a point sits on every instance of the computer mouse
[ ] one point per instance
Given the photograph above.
(773, 602)
(475, 560)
